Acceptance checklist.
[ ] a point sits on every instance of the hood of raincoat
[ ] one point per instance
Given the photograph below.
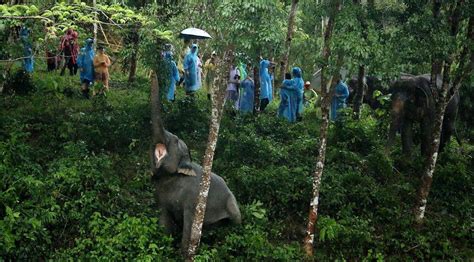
(194, 46)
(296, 72)
(88, 43)
(264, 65)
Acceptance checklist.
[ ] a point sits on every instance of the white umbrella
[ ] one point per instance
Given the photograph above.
(194, 33)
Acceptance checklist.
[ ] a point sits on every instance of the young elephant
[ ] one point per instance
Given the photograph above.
(177, 181)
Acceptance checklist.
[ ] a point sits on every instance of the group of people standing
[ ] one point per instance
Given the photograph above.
(92, 67)
(240, 93)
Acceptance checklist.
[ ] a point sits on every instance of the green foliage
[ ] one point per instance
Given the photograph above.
(19, 83)
(120, 238)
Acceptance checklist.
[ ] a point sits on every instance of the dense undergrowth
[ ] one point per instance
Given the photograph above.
(76, 183)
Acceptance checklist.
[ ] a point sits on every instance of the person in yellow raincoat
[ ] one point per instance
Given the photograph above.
(101, 68)
(210, 70)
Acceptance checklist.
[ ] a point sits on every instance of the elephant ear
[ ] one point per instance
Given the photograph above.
(186, 168)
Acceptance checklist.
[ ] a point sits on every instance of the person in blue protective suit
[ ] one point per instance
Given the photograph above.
(247, 92)
(173, 76)
(288, 99)
(190, 66)
(299, 85)
(266, 89)
(85, 62)
(339, 98)
(28, 62)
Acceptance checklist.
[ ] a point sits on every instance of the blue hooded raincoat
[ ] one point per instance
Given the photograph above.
(299, 85)
(288, 100)
(85, 61)
(173, 77)
(28, 62)
(190, 65)
(339, 99)
(247, 92)
(266, 90)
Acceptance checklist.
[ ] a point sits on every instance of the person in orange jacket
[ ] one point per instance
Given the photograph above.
(101, 67)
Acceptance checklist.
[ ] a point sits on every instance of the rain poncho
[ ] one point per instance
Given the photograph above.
(210, 69)
(190, 66)
(288, 100)
(299, 85)
(247, 91)
(266, 90)
(243, 71)
(339, 99)
(28, 62)
(173, 77)
(86, 62)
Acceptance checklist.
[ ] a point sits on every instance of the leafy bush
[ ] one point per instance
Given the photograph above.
(19, 83)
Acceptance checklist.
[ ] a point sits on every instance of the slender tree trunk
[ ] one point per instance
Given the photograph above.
(326, 99)
(256, 75)
(134, 57)
(216, 114)
(94, 4)
(359, 92)
(289, 37)
(436, 64)
(448, 89)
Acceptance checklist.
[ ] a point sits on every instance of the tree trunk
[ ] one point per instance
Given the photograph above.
(94, 4)
(134, 57)
(359, 92)
(216, 114)
(445, 95)
(289, 36)
(256, 75)
(436, 65)
(326, 99)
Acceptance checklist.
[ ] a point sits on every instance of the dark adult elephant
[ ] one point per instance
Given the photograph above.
(371, 85)
(177, 182)
(414, 101)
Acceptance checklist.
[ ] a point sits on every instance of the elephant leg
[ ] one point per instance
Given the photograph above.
(426, 133)
(407, 137)
(187, 224)
(446, 133)
(166, 221)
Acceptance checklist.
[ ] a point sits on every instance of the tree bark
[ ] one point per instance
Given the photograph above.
(360, 91)
(256, 75)
(448, 89)
(289, 37)
(216, 115)
(134, 57)
(94, 4)
(326, 99)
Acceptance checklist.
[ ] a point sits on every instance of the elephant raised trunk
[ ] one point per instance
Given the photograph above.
(157, 124)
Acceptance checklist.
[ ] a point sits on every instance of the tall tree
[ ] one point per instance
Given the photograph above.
(216, 115)
(326, 100)
(359, 92)
(457, 64)
(289, 37)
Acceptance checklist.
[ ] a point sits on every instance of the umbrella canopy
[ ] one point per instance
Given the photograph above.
(194, 33)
